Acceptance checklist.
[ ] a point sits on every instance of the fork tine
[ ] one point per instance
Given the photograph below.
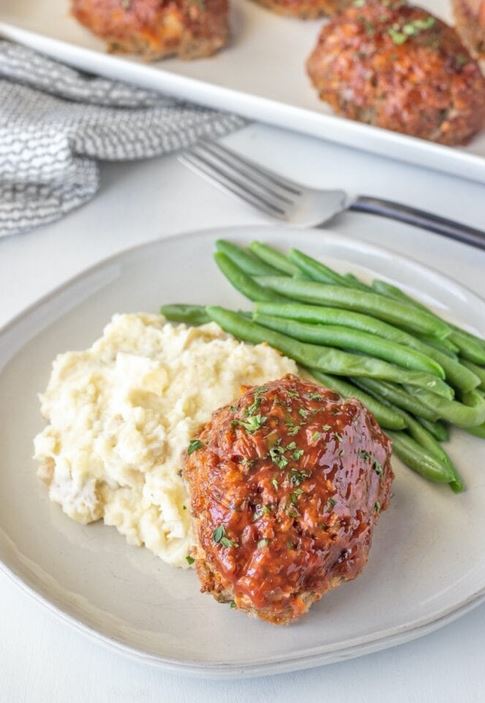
(201, 165)
(228, 160)
(254, 168)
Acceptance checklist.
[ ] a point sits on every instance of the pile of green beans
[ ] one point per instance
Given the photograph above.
(416, 373)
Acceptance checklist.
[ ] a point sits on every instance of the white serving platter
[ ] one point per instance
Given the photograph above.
(260, 75)
(427, 564)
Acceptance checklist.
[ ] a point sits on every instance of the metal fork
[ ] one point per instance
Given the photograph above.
(298, 205)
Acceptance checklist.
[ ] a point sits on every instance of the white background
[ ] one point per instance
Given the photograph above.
(42, 659)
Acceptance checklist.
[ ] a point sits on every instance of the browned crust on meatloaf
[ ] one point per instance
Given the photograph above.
(398, 67)
(305, 9)
(286, 486)
(470, 23)
(155, 29)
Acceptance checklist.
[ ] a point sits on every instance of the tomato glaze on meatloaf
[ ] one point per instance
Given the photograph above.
(286, 487)
(305, 9)
(398, 67)
(154, 29)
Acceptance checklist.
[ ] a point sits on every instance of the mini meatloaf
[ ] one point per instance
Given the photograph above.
(286, 487)
(154, 29)
(470, 23)
(305, 9)
(396, 66)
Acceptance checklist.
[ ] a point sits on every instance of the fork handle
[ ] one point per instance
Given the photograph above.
(419, 218)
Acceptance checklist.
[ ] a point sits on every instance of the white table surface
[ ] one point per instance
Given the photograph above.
(43, 660)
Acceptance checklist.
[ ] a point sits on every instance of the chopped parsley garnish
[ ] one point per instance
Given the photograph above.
(292, 394)
(377, 466)
(314, 396)
(248, 463)
(194, 444)
(397, 36)
(295, 495)
(377, 507)
(232, 604)
(326, 428)
(226, 542)
(292, 428)
(278, 450)
(219, 536)
(331, 503)
(303, 412)
(190, 560)
(337, 436)
(274, 483)
(263, 543)
(316, 436)
(252, 423)
(297, 477)
(277, 455)
(254, 407)
(400, 34)
(261, 510)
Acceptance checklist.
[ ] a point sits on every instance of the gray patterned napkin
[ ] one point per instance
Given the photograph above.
(56, 121)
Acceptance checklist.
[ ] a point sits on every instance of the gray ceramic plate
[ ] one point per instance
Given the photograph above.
(427, 565)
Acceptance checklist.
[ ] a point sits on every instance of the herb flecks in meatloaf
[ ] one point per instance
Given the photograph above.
(286, 487)
(396, 66)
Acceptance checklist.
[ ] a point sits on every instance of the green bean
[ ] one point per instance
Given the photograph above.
(385, 288)
(242, 282)
(456, 373)
(337, 316)
(478, 431)
(273, 258)
(443, 345)
(315, 269)
(438, 429)
(386, 416)
(426, 440)
(458, 376)
(401, 314)
(468, 414)
(479, 371)
(246, 260)
(356, 282)
(397, 396)
(190, 314)
(324, 359)
(352, 340)
(471, 347)
(421, 461)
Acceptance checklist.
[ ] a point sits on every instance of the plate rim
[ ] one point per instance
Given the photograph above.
(457, 161)
(358, 646)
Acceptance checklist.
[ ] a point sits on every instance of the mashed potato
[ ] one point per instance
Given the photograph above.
(121, 416)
